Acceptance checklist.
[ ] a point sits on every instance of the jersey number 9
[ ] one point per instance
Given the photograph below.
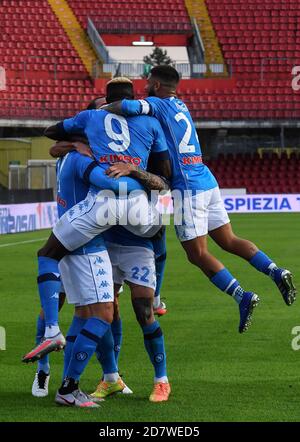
(123, 137)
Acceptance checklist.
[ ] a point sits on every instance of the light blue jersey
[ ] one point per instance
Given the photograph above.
(188, 170)
(119, 235)
(114, 138)
(72, 174)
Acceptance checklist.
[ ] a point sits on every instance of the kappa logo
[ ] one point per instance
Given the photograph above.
(98, 260)
(104, 284)
(182, 107)
(55, 295)
(101, 272)
(80, 207)
(106, 296)
(81, 356)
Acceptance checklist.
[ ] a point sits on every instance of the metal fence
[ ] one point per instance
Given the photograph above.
(138, 69)
(38, 174)
(97, 42)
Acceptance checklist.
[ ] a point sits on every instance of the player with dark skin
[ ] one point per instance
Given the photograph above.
(162, 83)
(196, 249)
(53, 248)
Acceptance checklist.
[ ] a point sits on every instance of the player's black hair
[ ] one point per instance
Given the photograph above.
(166, 74)
(92, 104)
(119, 91)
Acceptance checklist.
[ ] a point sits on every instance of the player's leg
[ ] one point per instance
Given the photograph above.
(95, 327)
(110, 383)
(116, 326)
(160, 252)
(227, 240)
(138, 267)
(42, 376)
(142, 302)
(115, 334)
(81, 315)
(49, 284)
(194, 241)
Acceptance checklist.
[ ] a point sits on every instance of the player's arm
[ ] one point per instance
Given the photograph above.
(159, 160)
(66, 130)
(130, 108)
(160, 164)
(61, 148)
(147, 179)
(88, 170)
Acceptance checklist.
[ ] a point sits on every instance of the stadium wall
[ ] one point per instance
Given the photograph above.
(19, 151)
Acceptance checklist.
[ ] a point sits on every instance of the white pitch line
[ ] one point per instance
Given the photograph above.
(22, 242)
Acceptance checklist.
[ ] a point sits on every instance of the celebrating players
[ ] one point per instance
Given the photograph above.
(197, 199)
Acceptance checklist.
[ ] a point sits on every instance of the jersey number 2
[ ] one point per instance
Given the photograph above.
(184, 146)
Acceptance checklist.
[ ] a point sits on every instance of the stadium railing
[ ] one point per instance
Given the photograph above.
(97, 42)
(127, 27)
(138, 69)
(37, 174)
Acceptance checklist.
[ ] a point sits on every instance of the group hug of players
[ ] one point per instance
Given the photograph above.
(112, 156)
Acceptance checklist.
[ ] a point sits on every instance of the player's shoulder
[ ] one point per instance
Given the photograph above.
(97, 113)
(145, 121)
(76, 160)
(178, 104)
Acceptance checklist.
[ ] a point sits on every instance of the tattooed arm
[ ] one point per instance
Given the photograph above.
(147, 179)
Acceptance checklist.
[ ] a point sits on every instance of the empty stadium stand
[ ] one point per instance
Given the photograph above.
(269, 174)
(47, 79)
(134, 15)
(45, 76)
(31, 38)
(258, 40)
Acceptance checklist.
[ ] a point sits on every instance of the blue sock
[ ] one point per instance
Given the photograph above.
(49, 287)
(85, 346)
(154, 344)
(228, 284)
(263, 264)
(43, 364)
(160, 264)
(160, 252)
(117, 333)
(105, 353)
(75, 328)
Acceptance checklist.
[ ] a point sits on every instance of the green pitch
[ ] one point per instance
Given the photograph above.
(216, 374)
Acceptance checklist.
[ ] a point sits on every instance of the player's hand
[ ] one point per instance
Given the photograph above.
(120, 169)
(82, 148)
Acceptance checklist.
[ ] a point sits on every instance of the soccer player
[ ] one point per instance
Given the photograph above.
(197, 196)
(86, 287)
(133, 262)
(41, 380)
(107, 135)
(87, 280)
(160, 252)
